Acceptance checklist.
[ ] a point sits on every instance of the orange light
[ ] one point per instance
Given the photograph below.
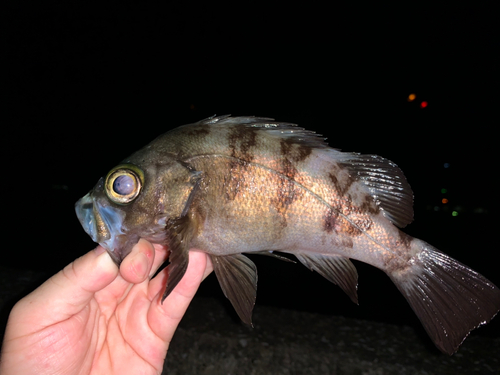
(444, 200)
(423, 104)
(412, 97)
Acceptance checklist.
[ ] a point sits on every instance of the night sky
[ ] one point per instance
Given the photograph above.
(84, 86)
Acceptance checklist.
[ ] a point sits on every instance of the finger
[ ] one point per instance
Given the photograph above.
(136, 266)
(208, 269)
(161, 255)
(67, 292)
(157, 285)
(165, 317)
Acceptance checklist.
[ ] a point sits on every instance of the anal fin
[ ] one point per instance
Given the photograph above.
(237, 277)
(337, 269)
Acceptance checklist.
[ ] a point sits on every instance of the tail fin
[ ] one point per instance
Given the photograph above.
(449, 298)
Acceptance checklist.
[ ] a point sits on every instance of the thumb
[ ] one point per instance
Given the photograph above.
(68, 291)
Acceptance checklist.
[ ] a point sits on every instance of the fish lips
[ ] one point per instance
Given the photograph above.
(104, 224)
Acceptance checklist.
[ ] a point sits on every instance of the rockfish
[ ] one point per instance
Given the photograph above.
(233, 185)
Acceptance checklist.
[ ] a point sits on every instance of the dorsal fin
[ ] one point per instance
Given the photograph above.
(292, 132)
(384, 180)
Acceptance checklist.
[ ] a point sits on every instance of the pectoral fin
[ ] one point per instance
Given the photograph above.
(176, 269)
(237, 277)
(337, 269)
(180, 231)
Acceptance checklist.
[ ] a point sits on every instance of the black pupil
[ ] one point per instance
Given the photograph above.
(123, 185)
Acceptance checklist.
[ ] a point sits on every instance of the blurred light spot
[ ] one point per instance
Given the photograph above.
(446, 165)
(424, 104)
(436, 208)
(444, 200)
(411, 97)
(454, 213)
(444, 191)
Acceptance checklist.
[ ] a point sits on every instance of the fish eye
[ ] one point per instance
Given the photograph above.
(123, 183)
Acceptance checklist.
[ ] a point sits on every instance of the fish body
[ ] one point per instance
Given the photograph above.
(233, 185)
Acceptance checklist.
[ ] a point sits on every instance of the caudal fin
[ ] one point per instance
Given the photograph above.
(449, 298)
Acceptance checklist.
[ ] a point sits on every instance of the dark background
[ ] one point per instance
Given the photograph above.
(83, 86)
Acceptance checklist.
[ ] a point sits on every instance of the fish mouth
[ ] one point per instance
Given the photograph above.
(103, 223)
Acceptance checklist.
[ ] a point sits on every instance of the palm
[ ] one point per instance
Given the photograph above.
(120, 337)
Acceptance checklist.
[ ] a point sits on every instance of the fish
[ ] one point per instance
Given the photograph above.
(231, 186)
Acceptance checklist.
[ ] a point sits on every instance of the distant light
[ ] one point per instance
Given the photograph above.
(444, 191)
(412, 97)
(444, 200)
(424, 104)
(437, 208)
(446, 165)
(454, 213)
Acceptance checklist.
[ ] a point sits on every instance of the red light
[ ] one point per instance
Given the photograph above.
(423, 104)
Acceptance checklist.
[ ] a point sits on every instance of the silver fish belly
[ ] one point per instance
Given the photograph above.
(234, 185)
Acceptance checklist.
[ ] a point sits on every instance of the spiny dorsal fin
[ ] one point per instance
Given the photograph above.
(291, 132)
(337, 269)
(237, 277)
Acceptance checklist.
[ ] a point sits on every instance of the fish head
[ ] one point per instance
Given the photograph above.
(136, 200)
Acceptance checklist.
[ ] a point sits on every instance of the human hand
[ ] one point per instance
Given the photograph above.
(91, 318)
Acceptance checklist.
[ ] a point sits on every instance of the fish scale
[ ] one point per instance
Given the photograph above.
(233, 185)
